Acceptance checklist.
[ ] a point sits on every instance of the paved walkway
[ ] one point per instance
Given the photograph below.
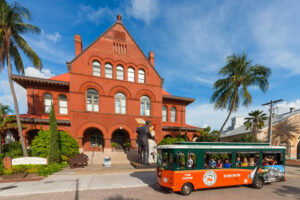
(85, 182)
(293, 163)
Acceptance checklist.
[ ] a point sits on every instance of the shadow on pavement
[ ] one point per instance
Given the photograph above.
(286, 190)
(119, 197)
(147, 177)
(8, 187)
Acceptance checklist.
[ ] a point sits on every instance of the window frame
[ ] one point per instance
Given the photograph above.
(141, 76)
(108, 68)
(96, 65)
(164, 114)
(60, 102)
(132, 73)
(120, 69)
(120, 100)
(173, 111)
(47, 108)
(93, 104)
(144, 104)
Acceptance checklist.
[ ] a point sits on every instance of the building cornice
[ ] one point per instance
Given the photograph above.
(24, 81)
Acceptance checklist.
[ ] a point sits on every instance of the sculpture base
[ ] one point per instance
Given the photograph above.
(142, 166)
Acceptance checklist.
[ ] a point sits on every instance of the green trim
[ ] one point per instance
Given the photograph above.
(223, 143)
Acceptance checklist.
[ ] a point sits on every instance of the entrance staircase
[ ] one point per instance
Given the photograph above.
(97, 157)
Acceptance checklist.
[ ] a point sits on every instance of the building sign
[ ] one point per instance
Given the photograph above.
(29, 161)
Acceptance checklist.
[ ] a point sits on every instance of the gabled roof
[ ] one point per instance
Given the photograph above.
(275, 120)
(120, 23)
(164, 92)
(62, 77)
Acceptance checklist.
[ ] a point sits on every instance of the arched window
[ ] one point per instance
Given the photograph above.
(120, 103)
(48, 100)
(120, 72)
(145, 106)
(173, 114)
(63, 104)
(96, 68)
(108, 71)
(130, 74)
(164, 113)
(141, 76)
(92, 100)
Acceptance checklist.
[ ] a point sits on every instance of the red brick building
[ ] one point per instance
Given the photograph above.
(108, 85)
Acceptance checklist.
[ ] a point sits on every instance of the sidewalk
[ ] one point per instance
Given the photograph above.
(293, 163)
(79, 182)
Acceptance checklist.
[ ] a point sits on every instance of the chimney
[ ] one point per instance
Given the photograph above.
(151, 58)
(119, 19)
(78, 44)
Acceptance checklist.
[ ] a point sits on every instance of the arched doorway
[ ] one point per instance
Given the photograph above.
(30, 135)
(93, 137)
(298, 150)
(120, 136)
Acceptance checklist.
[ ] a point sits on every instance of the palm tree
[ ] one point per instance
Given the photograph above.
(245, 138)
(4, 109)
(256, 121)
(12, 27)
(239, 75)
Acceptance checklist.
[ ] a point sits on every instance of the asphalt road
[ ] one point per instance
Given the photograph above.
(289, 189)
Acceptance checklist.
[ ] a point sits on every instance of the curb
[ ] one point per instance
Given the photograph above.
(105, 172)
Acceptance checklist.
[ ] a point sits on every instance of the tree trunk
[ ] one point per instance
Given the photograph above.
(230, 111)
(13, 93)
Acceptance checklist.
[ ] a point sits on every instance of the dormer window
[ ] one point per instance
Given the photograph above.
(108, 70)
(96, 68)
(120, 72)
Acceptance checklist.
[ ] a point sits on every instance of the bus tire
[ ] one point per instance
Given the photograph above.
(186, 189)
(258, 183)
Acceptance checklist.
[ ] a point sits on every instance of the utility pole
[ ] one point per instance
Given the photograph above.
(270, 118)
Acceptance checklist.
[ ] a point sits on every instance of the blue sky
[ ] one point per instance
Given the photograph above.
(190, 39)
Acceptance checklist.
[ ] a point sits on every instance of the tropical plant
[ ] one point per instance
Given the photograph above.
(13, 150)
(54, 151)
(239, 74)
(12, 26)
(284, 131)
(245, 138)
(170, 140)
(206, 135)
(40, 145)
(255, 121)
(4, 109)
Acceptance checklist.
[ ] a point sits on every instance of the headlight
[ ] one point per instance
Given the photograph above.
(165, 179)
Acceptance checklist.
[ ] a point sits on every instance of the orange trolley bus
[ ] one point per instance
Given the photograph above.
(187, 166)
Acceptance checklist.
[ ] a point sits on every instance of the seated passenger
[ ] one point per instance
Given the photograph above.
(251, 162)
(244, 163)
(238, 162)
(212, 163)
(226, 164)
(272, 161)
(265, 161)
(219, 164)
(190, 162)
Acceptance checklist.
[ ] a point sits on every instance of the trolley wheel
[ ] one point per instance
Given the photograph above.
(187, 188)
(258, 183)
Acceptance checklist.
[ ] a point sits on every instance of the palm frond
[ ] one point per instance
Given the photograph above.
(15, 56)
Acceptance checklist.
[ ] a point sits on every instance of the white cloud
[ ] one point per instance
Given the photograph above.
(204, 115)
(145, 10)
(33, 72)
(47, 47)
(204, 81)
(6, 97)
(87, 12)
(54, 37)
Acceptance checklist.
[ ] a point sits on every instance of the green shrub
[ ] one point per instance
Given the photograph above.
(8, 171)
(114, 145)
(54, 150)
(13, 150)
(127, 144)
(1, 166)
(67, 144)
(46, 170)
(170, 140)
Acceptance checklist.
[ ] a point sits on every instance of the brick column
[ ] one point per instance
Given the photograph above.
(107, 142)
(7, 162)
(133, 143)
